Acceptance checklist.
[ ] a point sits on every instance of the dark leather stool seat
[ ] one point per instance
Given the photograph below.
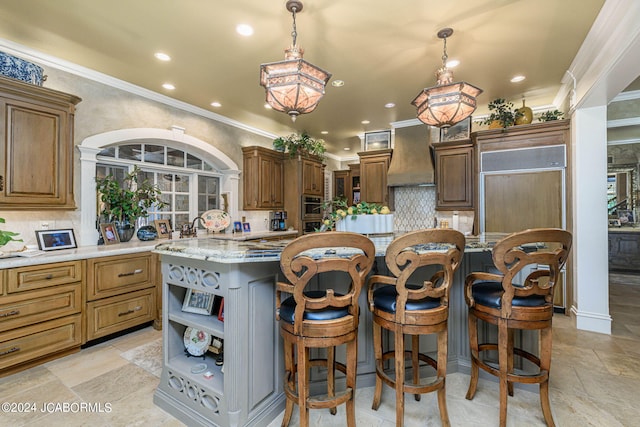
(413, 310)
(321, 318)
(519, 297)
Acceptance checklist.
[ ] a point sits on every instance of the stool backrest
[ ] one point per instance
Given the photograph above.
(442, 248)
(333, 251)
(544, 249)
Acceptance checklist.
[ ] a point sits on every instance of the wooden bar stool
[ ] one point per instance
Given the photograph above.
(520, 297)
(321, 318)
(414, 310)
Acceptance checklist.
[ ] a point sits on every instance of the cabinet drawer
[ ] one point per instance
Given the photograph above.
(115, 314)
(31, 342)
(36, 306)
(116, 275)
(43, 276)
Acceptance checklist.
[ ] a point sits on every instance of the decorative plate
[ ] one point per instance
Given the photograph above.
(215, 220)
(196, 341)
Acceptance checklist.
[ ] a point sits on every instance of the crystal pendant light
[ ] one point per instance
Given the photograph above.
(294, 86)
(446, 103)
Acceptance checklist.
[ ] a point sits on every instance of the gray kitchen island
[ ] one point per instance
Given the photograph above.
(246, 390)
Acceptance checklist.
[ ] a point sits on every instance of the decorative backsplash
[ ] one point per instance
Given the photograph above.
(415, 208)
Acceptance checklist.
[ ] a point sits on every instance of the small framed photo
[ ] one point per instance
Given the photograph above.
(461, 130)
(164, 228)
(246, 227)
(625, 216)
(237, 226)
(109, 234)
(377, 140)
(51, 240)
(198, 302)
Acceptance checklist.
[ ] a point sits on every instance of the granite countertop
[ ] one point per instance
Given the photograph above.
(624, 229)
(232, 251)
(13, 259)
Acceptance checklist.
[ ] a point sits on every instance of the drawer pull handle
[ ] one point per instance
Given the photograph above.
(10, 313)
(11, 350)
(131, 273)
(49, 276)
(136, 308)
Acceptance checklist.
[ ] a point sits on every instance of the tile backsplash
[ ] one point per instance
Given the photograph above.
(415, 208)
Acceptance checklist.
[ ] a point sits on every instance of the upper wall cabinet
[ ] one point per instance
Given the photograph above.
(36, 159)
(263, 179)
(373, 177)
(454, 164)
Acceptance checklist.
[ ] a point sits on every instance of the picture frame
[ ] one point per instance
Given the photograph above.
(163, 227)
(198, 302)
(246, 227)
(53, 240)
(237, 226)
(377, 140)
(109, 233)
(457, 132)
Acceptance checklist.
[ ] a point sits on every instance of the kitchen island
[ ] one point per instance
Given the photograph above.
(248, 389)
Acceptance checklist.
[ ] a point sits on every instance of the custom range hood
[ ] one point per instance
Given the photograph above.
(411, 162)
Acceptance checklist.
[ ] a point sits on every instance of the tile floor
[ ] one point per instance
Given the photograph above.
(595, 381)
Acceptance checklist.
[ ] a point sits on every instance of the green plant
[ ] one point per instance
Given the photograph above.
(300, 144)
(550, 115)
(128, 201)
(7, 236)
(503, 112)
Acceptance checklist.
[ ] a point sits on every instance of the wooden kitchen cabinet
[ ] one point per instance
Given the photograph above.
(373, 177)
(40, 314)
(312, 177)
(36, 159)
(263, 179)
(121, 293)
(455, 171)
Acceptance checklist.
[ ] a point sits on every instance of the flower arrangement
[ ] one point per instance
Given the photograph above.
(337, 209)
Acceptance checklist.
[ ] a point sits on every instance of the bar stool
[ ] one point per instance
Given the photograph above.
(324, 318)
(505, 300)
(414, 309)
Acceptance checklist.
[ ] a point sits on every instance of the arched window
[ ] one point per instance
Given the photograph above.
(189, 184)
(193, 175)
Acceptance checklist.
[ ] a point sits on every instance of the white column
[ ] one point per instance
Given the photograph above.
(590, 303)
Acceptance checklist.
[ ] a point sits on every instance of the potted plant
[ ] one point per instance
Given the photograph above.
(503, 114)
(124, 204)
(366, 218)
(550, 115)
(7, 236)
(300, 144)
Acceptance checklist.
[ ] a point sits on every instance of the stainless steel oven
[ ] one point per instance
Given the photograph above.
(311, 207)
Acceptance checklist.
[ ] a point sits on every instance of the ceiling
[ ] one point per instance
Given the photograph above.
(385, 51)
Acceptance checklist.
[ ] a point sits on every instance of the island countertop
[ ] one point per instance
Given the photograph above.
(231, 251)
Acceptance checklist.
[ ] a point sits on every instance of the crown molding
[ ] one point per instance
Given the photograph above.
(87, 73)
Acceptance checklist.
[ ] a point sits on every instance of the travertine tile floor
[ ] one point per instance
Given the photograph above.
(595, 381)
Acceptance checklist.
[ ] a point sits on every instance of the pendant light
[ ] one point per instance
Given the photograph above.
(446, 103)
(294, 86)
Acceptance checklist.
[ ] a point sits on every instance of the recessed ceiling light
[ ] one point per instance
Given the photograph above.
(244, 30)
(162, 56)
(325, 132)
(389, 105)
(347, 149)
(337, 83)
(517, 79)
(168, 86)
(365, 122)
(216, 104)
(453, 63)
(267, 106)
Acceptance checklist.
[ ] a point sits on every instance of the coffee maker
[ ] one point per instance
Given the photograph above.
(278, 220)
